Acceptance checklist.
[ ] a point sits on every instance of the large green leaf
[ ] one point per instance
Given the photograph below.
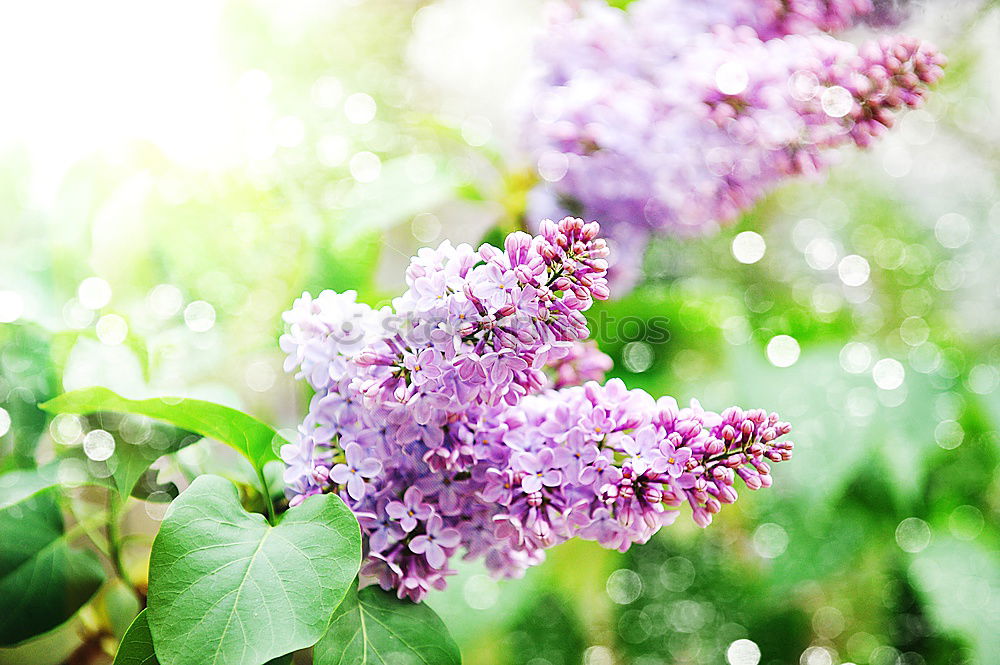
(375, 627)
(255, 440)
(136, 647)
(225, 588)
(26, 378)
(43, 581)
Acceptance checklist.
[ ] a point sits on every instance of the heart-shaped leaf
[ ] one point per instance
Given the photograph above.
(226, 588)
(136, 647)
(252, 438)
(43, 581)
(377, 628)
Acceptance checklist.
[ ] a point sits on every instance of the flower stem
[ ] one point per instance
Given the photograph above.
(268, 501)
(113, 528)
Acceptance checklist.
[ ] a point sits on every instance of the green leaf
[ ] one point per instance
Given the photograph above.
(43, 581)
(281, 660)
(225, 588)
(138, 443)
(148, 488)
(374, 626)
(26, 378)
(252, 438)
(136, 647)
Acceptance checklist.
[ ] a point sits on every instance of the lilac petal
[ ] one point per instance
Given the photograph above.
(562, 457)
(435, 555)
(434, 524)
(369, 467)
(528, 462)
(289, 452)
(491, 493)
(659, 464)
(356, 487)
(433, 436)
(552, 478)
(340, 474)
(412, 496)
(499, 373)
(420, 544)
(378, 540)
(448, 538)
(531, 484)
(354, 454)
(686, 480)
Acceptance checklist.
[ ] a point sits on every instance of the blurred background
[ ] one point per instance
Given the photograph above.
(173, 175)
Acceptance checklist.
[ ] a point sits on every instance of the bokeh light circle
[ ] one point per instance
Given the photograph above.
(743, 652)
(913, 535)
(98, 445)
(749, 247)
(783, 351)
(624, 586)
(888, 374)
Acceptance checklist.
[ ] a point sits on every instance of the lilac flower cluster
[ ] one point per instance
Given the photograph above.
(583, 362)
(447, 422)
(769, 18)
(676, 116)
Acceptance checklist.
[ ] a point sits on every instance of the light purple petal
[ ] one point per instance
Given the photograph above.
(354, 454)
(448, 538)
(552, 478)
(369, 467)
(531, 484)
(420, 544)
(356, 487)
(340, 474)
(435, 555)
(395, 510)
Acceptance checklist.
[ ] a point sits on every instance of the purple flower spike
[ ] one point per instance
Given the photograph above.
(676, 116)
(440, 425)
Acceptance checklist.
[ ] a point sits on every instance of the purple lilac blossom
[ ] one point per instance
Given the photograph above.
(676, 116)
(583, 362)
(437, 422)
